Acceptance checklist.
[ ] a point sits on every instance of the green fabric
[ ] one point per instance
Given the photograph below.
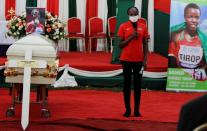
(111, 12)
(111, 8)
(31, 3)
(72, 8)
(72, 13)
(201, 35)
(118, 81)
(161, 33)
(144, 9)
(122, 17)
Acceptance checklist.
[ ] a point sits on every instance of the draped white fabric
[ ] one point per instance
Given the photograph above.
(66, 80)
(81, 14)
(2, 10)
(102, 13)
(151, 24)
(138, 4)
(42, 4)
(20, 6)
(113, 73)
(63, 15)
(63, 10)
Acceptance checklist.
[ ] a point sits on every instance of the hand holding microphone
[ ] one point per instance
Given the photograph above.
(135, 35)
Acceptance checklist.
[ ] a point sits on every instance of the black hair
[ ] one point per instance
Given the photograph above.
(132, 8)
(191, 5)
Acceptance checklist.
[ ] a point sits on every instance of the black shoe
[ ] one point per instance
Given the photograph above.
(137, 114)
(127, 113)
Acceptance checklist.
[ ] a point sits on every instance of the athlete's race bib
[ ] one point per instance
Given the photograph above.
(190, 56)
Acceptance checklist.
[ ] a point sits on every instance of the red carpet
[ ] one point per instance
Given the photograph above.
(90, 125)
(2, 61)
(84, 104)
(100, 61)
(97, 61)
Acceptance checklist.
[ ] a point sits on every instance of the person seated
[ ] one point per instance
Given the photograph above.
(193, 114)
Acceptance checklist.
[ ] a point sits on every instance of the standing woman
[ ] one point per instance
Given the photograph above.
(134, 36)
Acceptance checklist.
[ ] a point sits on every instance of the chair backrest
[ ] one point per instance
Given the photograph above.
(95, 25)
(142, 20)
(112, 25)
(74, 25)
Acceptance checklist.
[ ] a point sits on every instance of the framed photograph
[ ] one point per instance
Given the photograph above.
(35, 20)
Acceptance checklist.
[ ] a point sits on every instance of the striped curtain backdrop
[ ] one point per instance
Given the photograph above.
(155, 11)
(162, 26)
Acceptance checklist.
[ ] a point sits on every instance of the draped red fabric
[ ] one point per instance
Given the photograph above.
(9, 4)
(53, 6)
(91, 11)
(163, 6)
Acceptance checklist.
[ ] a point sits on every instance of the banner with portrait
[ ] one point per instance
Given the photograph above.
(35, 19)
(188, 46)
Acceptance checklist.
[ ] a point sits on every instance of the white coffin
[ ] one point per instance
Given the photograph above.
(42, 49)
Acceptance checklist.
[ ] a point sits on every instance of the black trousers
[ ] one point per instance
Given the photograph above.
(129, 69)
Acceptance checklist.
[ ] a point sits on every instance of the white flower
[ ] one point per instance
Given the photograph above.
(19, 28)
(47, 36)
(48, 14)
(18, 33)
(14, 33)
(59, 25)
(23, 13)
(57, 31)
(13, 27)
(53, 26)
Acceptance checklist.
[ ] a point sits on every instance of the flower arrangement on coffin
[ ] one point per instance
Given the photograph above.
(16, 26)
(54, 27)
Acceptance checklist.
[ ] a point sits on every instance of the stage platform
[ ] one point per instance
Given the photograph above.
(99, 62)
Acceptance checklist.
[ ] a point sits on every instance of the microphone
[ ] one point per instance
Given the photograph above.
(134, 24)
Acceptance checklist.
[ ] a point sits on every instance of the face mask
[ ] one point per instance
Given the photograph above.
(134, 18)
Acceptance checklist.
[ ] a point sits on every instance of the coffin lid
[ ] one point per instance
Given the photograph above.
(41, 46)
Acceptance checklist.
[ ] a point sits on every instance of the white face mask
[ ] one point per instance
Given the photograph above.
(134, 18)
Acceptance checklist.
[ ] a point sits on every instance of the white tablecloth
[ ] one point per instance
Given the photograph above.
(5, 40)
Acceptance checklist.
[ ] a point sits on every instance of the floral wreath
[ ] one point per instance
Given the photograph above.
(54, 27)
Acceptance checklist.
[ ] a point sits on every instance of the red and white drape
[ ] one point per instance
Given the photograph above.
(85, 10)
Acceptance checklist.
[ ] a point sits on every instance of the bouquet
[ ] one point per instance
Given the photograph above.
(54, 27)
(16, 26)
